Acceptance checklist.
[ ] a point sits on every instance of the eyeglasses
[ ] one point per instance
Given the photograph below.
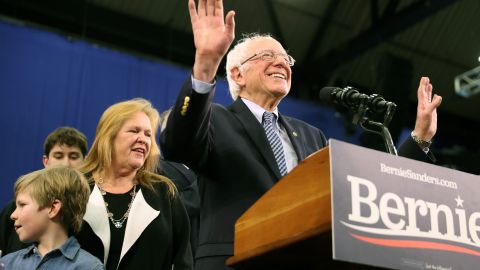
(270, 56)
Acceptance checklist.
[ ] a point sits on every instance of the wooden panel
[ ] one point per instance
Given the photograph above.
(297, 208)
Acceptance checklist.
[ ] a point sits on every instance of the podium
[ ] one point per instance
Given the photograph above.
(346, 207)
(289, 226)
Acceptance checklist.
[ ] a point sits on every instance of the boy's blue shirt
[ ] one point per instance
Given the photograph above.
(67, 256)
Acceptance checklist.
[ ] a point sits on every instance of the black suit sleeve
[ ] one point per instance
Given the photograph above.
(410, 149)
(187, 136)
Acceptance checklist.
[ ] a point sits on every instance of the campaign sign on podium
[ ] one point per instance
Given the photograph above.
(399, 213)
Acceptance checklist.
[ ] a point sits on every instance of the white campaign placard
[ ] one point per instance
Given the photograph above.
(399, 213)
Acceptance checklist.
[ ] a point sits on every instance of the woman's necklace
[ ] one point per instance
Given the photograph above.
(118, 223)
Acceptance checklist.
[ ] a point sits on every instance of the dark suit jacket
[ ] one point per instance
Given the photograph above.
(156, 235)
(229, 148)
(185, 180)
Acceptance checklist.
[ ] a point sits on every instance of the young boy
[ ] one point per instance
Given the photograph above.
(64, 146)
(50, 207)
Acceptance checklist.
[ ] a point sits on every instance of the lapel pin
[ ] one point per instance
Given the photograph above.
(294, 134)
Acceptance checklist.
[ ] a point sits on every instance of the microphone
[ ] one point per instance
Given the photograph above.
(379, 104)
(347, 96)
(351, 98)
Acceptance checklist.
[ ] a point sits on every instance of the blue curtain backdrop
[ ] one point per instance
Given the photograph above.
(48, 80)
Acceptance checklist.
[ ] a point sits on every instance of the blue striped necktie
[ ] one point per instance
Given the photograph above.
(268, 121)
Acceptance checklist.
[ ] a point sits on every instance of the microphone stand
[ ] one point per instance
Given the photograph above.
(381, 129)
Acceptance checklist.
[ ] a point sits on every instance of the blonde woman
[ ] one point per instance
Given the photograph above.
(134, 218)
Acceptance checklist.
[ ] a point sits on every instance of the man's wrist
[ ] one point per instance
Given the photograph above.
(424, 144)
(205, 68)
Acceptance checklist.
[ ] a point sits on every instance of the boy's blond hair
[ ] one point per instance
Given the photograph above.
(65, 184)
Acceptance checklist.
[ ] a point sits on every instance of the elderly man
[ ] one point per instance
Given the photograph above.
(244, 149)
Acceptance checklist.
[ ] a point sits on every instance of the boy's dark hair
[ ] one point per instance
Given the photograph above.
(68, 136)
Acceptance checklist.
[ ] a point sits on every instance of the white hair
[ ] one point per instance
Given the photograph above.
(235, 57)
